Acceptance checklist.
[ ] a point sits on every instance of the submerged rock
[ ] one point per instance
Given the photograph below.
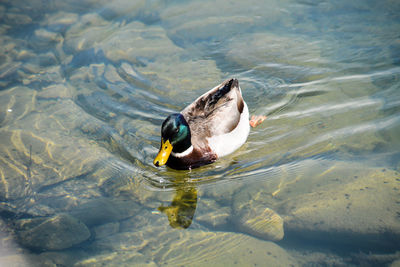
(107, 229)
(43, 38)
(59, 21)
(148, 48)
(329, 202)
(58, 232)
(212, 214)
(252, 214)
(142, 10)
(396, 263)
(24, 258)
(19, 260)
(134, 241)
(136, 40)
(277, 54)
(48, 162)
(263, 223)
(198, 248)
(363, 203)
(89, 29)
(166, 246)
(105, 210)
(195, 22)
(15, 19)
(350, 204)
(120, 258)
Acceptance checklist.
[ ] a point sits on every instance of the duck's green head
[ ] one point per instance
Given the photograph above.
(175, 137)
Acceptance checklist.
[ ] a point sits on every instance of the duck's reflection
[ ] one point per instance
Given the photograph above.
(181, 210)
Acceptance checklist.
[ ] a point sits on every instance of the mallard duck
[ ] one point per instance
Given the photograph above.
(213, 126)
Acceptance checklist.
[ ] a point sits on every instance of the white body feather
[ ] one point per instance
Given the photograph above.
(226, 144)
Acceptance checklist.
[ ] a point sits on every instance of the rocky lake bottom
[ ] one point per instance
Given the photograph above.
(85, 86)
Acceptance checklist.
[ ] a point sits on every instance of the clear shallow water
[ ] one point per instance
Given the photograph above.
(86, 85)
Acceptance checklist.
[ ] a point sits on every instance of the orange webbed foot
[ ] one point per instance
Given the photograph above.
(256, 120)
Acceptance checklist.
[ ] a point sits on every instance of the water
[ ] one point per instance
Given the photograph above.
(85, 86)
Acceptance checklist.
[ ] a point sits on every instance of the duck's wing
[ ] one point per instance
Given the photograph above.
(215, 112)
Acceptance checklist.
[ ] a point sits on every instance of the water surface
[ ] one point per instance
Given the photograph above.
(85, 86)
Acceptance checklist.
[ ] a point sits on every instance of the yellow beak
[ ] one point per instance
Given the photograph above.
(163, 154)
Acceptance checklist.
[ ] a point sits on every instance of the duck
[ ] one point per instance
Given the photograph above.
(213, 126)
